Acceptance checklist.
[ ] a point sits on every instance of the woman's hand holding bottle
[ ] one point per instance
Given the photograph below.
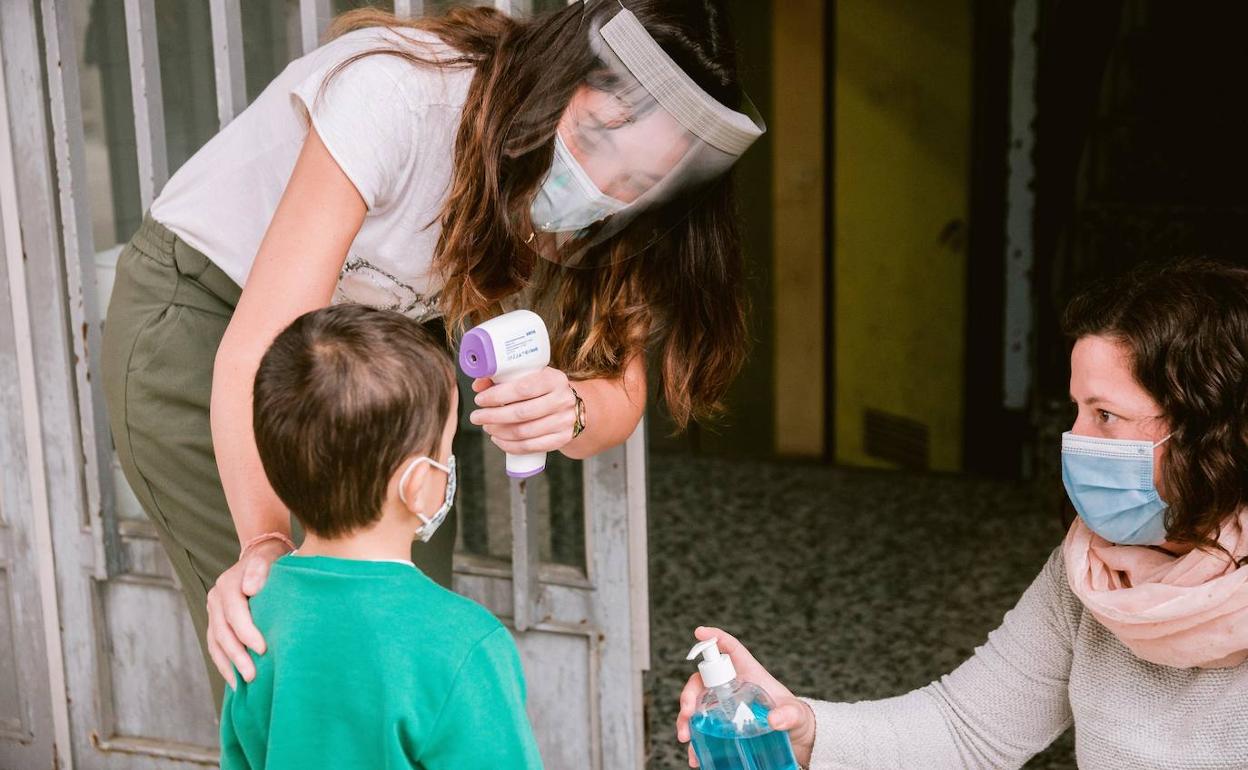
(790, 714)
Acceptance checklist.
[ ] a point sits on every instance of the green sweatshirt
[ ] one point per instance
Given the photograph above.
(372, 665)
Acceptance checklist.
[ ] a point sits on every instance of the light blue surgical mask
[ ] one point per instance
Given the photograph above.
(431, 522)
(1110, 482)
(568, 200)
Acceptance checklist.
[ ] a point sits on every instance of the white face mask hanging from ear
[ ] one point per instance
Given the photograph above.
(425, 534)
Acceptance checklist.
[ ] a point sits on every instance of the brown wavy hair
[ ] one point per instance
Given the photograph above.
(679, 297)
(1185, 324)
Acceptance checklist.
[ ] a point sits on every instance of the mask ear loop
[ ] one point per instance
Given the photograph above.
(407, 473)
(447, 469)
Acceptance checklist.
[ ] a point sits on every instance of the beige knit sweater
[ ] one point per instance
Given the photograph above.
(1048, 664)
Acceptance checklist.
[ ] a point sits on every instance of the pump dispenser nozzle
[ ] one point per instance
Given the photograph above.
(715, 668)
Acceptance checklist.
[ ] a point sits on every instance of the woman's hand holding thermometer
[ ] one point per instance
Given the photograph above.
(527, 408)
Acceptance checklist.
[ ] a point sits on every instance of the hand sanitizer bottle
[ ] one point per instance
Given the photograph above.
(729, 728)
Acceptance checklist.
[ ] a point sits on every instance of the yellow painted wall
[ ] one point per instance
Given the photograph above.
(902, 119)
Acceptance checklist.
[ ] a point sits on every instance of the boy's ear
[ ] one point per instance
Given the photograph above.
(409, 494)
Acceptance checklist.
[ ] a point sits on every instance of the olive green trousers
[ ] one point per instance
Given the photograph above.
(169, 309)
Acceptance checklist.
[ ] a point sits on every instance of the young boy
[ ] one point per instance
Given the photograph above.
(370, 664)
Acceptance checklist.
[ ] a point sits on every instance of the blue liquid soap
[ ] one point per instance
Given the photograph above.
(718, 745)
(729, 729)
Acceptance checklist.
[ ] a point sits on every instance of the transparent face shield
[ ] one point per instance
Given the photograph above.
(635, 150)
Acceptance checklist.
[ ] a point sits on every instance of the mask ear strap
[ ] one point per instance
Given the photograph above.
(1164, 440)
(407, 474)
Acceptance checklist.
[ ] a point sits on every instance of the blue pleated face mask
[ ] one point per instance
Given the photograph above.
(1110, 483)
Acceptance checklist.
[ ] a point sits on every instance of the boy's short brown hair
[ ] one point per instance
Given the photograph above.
(341, 397)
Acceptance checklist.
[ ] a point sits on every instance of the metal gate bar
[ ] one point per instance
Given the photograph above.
(227, 59)
(149, 106)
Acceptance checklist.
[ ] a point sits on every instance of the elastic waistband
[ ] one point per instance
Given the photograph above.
(162, 245)
(155, 240)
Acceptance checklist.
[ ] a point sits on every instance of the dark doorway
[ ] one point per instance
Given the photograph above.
(1141, 149)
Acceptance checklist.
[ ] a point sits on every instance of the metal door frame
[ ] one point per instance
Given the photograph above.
(24, 515)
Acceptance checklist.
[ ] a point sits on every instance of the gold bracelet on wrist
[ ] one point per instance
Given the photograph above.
(579, 426)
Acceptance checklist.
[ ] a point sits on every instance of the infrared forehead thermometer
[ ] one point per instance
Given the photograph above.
(505, 349)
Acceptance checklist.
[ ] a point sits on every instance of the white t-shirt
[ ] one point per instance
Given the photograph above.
(391, 127)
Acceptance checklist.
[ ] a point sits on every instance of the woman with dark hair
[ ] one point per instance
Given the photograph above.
(447, 168)
(1136, 630)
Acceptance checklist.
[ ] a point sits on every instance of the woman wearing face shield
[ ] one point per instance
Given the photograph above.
(1136, 630)
(447, 168)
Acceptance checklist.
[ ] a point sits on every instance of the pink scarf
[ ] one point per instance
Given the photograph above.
(1180, 611)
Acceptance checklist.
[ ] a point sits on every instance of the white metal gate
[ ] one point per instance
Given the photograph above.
(99, 667)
